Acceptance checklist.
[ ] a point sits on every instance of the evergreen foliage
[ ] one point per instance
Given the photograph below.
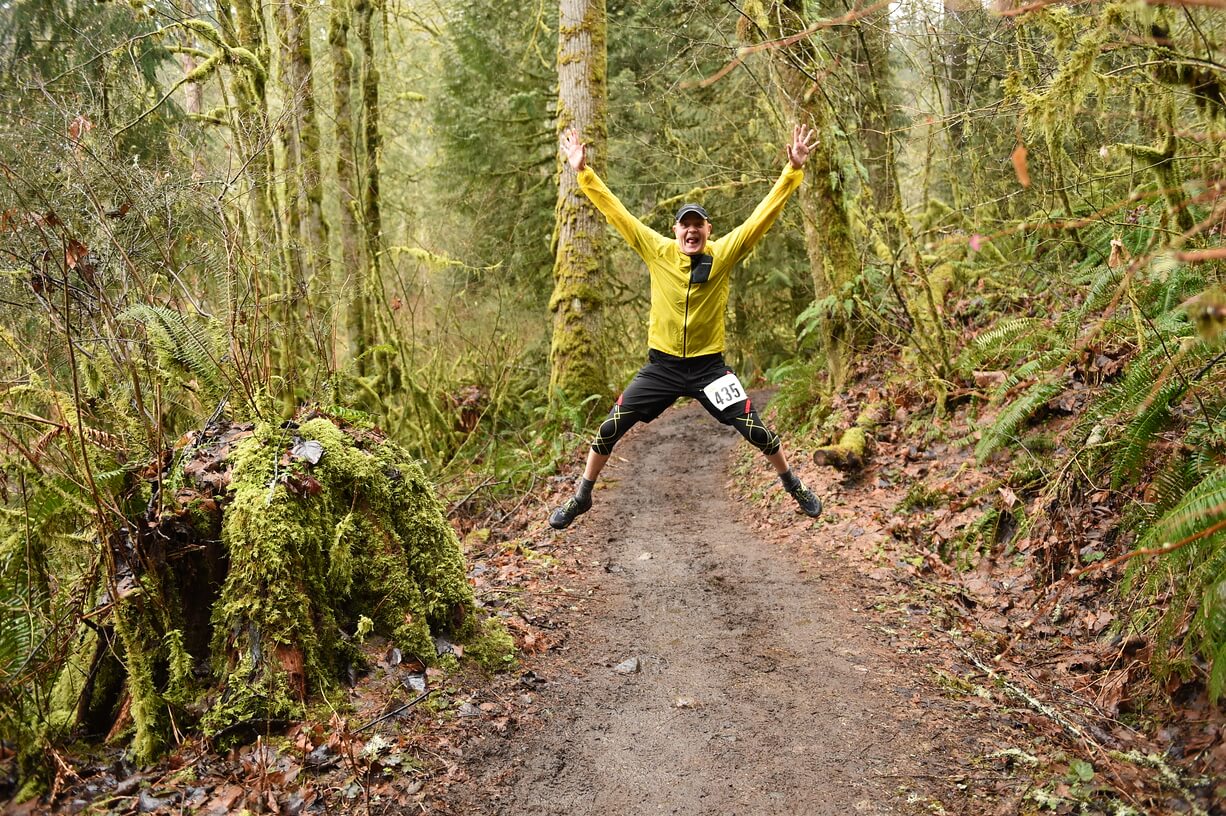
(497, 142)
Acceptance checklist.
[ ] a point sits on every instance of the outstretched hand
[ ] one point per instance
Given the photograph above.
(574, 149)
(804, 139)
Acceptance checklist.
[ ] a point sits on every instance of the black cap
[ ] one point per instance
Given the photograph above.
(686, 209)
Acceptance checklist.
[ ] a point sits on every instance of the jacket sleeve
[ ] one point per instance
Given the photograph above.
(736, 245)
(641, 238)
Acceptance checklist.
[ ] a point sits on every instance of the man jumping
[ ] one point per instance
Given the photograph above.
(685, 333)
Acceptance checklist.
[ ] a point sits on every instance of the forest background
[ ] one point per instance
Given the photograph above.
(227, 213)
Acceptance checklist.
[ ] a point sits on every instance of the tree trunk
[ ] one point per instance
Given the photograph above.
(576, 370)
(308, 253)
(296, 564)
(833, 259)
(352, 276)
(873, 55)
(958, 14)
(317, 259)
(372, 219)
(242, 23)
(192, 91)
(377, 317)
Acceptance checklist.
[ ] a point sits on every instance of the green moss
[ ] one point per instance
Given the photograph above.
(340, 556)
(311, 552)
(179, 662)
(267, 697)
(491, 645)
(32, 786)
(848, 454)
(141, 661)
(70, 682)
(313, 549)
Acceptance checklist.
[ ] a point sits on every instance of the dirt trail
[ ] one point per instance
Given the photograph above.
(762, 688)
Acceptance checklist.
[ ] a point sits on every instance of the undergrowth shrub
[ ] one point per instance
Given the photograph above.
(1150, 426)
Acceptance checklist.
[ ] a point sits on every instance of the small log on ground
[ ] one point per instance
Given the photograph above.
(853, 447)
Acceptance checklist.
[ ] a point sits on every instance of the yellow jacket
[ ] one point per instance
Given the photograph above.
(687, 319)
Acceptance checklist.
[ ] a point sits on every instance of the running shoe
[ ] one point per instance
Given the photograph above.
(561, 518)
(809, 503)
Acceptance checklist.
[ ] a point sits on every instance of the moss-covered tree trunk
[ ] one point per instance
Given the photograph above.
(372, 140)
(193, 92)
(242, 23)
(851, 451)
(288, 209)
(956, 34)
(872, 51)
(833, 259)
(306, 250)
(576, 369)
(317, 255)
(244, 26)
(352, 276)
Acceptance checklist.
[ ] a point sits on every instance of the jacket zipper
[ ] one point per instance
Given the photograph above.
(685, 321)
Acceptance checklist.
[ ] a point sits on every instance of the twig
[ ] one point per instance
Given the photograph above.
(784, 42)
(1169, 548)
(395, 711)
(1035, 703)
(489, 482)
(521, 501)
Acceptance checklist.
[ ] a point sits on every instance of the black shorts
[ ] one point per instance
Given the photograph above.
(666, 378)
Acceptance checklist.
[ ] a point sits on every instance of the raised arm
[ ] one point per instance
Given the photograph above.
(741, 240)
(641, 238)
(804, 139)
(574, 149)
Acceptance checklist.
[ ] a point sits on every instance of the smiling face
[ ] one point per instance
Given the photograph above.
(692, 232)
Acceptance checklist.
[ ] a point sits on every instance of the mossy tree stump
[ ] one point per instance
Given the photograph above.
(273, 546)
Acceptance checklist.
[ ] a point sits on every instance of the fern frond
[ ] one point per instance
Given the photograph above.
(188, 347)
(16, 639)
(1164, 633)
(1202, 508)
(1102, 289)
(1097, 238)
(1141, 432)
(1169, 485)
(1217, 658)
(1004, 429)
(1207, 439)
(1034, 368)
(1004, 336)
(1131, 389)
(1183, 281)
(1207, 632)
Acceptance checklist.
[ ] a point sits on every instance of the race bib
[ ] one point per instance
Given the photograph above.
(725, 391)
